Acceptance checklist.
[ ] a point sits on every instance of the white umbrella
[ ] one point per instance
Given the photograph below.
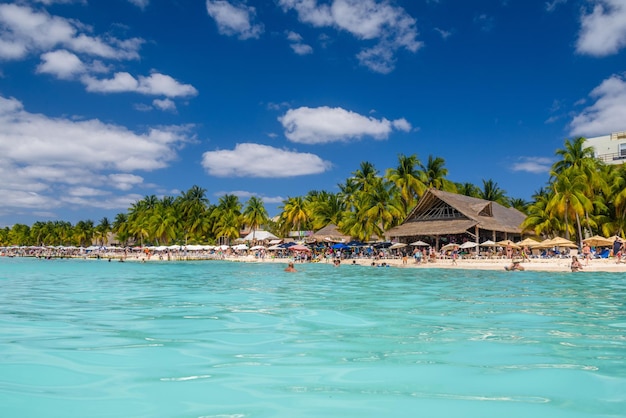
(397, 245)
(240, 247)
(449, 247)
(258, 247)
(489, 243)
(420, 244)
(468, 244)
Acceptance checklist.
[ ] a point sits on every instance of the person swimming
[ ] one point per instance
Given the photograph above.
(515, 266)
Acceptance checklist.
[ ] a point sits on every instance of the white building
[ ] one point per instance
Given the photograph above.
(611, 149)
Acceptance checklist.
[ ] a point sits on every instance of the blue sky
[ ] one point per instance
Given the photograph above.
(104, 102)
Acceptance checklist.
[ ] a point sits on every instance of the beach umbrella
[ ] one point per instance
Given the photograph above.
(339, 246)
(468, 244)
(257, 247)
(420, 244)
(489, 243)
(240, 247)
(397, 245)
(449, 247)
(528, 242)
(507, 242)
(598, 241)
(562, 242)
(299, 247)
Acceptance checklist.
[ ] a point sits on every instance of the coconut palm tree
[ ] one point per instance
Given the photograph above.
(226, 217)
(84, 232)
(569, 198)
(325, 208)
(294, 213)
(192, 206)
(254, 213)
(468, 189)
(492, 192)
(365, 175)
(120, 228)
(434, 174)
(406, 178)
(103, 229)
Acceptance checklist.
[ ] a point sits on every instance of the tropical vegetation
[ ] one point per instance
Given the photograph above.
(582, 197)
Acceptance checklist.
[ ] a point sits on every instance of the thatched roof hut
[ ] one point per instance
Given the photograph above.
(330, 233)
(442, 213)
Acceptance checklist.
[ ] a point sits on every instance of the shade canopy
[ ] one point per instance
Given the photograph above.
(449, 247)
(598, 241)
(420, 244)
(528, 242)
(300, 247)
(397, 245)
(489, 243)
(259, 236)
(557, 242)
(507, 243)
(468, 244)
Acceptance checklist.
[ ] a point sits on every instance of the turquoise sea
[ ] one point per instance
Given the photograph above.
(82, 338)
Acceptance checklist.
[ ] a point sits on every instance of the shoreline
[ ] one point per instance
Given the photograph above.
(535, 264)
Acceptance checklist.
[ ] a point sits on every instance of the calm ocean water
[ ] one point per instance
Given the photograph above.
(217, 339)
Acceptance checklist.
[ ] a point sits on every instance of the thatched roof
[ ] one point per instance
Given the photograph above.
(330, 233)
(442, 213)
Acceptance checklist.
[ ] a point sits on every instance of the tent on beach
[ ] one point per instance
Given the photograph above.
(259, 235)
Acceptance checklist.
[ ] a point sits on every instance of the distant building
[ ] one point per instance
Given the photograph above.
(610, 149)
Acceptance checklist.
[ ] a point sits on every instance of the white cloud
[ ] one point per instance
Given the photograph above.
(83, 191)
(392, 27)
(62, 64)
(444, 33)
(256, 160)
(155, 84)
(297, 45)
(165, 105)
(124, 181)
(234, 19)
(49, 2)
(603, 31)
(324, 124)
(24, 31)
(302, 49)
(142, 4)
(535, 165)
(46, 158)
(607, 114)
(552, 5)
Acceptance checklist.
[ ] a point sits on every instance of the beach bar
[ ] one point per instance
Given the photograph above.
(442, 214)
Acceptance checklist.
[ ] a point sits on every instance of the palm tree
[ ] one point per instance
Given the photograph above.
(163, 224)
(434, 174)
(294, 213)
(193, 206)
(406, 178)
(492, 192)
(84, 232)
(255, 214)
(103, 229)
(365, 175)
(468, 189)
(569, 198)
(120, 228)
(518, 203)
(539, 220)
(226, 217)
(325, 208)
